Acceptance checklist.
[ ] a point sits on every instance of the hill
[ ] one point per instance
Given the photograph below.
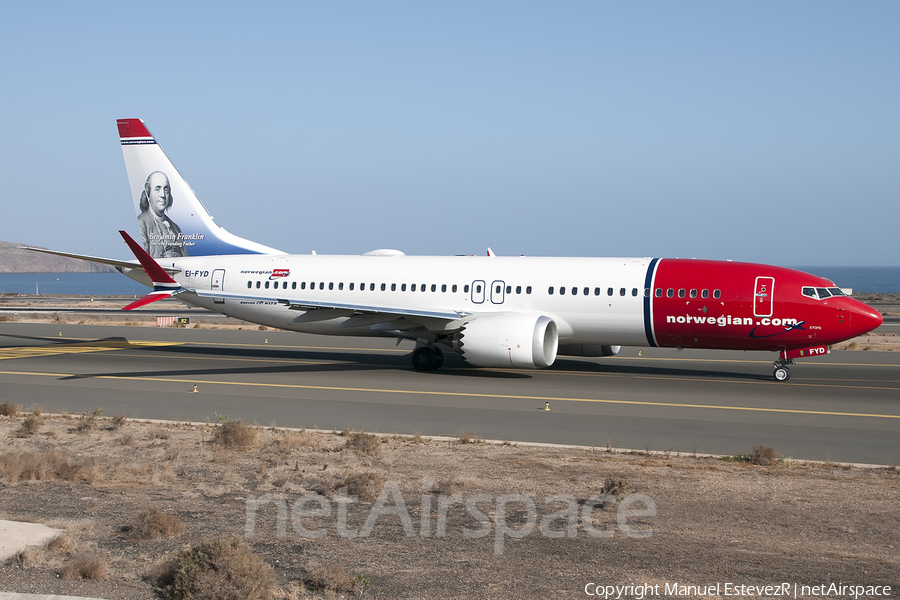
(15, 260)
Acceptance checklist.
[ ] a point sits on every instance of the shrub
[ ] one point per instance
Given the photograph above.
(32, 423)
(217, 569)
(117, 422)
(9, 410)
(764, 455)
(154, 524)
(364, 444)
(88, 421)
(366, 486)
(86, 565)
(466, 437)
(234, 434)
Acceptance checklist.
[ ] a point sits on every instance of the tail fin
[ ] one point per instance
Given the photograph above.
(172, 220)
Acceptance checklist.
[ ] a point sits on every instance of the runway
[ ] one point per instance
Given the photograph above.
(844, 407)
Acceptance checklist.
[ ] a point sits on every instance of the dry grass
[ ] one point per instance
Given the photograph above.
(213, 570)
(466, 437)
(364, 444)
(157, 433)
(446, 485)
(286, 442)
(32, 423)
(366, 485)
(764, 455)
(9, 410)
(235, 435)
(86, 565)
(154, 524)
(88, 421)
(117, 422)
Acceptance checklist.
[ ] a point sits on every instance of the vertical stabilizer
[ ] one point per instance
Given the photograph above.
(173, 222)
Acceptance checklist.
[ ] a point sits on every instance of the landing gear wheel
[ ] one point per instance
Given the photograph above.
(425, 359)
(782, 373)
(439, 358)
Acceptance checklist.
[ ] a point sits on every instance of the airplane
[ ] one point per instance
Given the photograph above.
(496, 311)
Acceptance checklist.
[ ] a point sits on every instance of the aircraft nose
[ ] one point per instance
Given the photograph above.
(865, 318)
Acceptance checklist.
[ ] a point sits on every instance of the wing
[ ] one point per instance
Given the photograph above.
(375, 316)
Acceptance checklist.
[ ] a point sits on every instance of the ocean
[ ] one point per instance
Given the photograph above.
(883, 280)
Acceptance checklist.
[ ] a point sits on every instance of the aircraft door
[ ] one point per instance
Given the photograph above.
(217, 284)
(478, 292)
(497, 292)
(764, 297)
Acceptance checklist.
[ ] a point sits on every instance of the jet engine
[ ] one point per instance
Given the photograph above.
(523, 341)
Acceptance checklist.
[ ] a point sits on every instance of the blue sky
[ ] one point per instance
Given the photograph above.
(759, 131)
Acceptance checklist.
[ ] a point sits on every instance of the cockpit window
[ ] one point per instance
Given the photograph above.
(836, 292)
(811, 292)
(823, 293)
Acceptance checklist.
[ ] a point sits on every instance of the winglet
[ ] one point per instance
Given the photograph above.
(163, 284)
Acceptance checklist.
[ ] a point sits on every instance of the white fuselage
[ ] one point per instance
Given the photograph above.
(468, 285)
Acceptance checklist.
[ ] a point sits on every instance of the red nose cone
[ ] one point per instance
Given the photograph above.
(865, 319)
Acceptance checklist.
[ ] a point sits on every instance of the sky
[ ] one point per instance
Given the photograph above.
(757, 131)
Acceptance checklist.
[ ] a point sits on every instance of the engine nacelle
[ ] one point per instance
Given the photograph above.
(589, 350)
(523, 341)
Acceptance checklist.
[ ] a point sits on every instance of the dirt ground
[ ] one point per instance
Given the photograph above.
(451, 519)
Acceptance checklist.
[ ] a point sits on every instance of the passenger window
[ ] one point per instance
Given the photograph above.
(383, 287)
(477, 289)
(393, 287)
(609, 292)
(321, 285)
(634, 292)
(646, 292)
(267, 285)
(509, 289)
(466, 288)
(528, 290)
(574, 291)
(550, 290)
(443, 287)
(518, 289)
(587, 291)
(351, 286)
(716, 294)
(330, 285)
(433, 287)
(293, 285)
(693, 293)
(412, 288)
(249, 284)
(303, 285)
(453, 289)
(681, 293)
(257, 285)
(402, 287)
(596, 291)
(562, 290)
(341, 285)
(670, 293)
(659, 292)
(621, 291)
(371, 287)
(704, 294)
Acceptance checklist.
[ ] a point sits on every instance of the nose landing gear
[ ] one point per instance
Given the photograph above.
(782, 373)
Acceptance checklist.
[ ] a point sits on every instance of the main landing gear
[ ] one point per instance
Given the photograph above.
(782, 373)
(426, 358)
